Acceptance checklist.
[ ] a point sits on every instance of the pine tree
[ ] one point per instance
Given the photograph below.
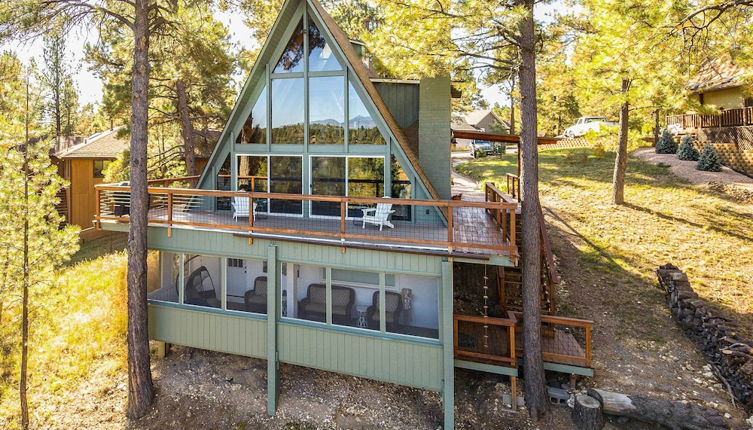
(34, 244)
(687, 151)
(709, 160)
(666, 144)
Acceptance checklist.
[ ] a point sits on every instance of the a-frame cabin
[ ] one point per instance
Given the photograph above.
(322, 233)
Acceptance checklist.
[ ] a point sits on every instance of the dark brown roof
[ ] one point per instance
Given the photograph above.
(716, 74)
(102, 145)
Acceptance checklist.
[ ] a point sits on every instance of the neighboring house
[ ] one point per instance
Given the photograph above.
(322, 233)
(478, 120)
(82, 161)
(721, 85)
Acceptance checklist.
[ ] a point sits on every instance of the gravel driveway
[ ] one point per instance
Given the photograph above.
(687, 170)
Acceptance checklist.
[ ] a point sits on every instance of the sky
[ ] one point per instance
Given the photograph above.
(90, 87)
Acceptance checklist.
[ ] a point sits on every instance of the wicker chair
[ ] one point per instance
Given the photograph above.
(393, 306)
(200, 289)
(314, 306)
(256, 300)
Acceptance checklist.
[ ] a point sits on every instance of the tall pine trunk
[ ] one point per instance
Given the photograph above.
(22, 386)
(186, 127)
(140, 388)
(512, 105)
(537, 399)
(620, 162)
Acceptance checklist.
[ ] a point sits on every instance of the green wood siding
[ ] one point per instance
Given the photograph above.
(214, 331)
(226, 244)
(402, 100)
(406, 363)
(434, 133)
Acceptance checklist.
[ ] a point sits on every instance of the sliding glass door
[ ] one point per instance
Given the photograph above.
(345, 176)
(327, 179)
(272, 174)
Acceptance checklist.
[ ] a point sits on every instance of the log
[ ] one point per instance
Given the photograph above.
(674, 415)
(587, 413)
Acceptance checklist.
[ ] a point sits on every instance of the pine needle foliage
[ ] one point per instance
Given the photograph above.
(686, 151)
(666, 144)
(709, 160)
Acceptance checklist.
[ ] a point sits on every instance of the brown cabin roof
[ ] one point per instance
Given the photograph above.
(102, 145)
(716, 74)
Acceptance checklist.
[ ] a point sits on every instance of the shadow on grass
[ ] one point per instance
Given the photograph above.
(567, 166)
(709, 226)
(89, 250)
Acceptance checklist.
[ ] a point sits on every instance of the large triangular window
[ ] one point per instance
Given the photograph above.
(321, 57)
(362, 128)
(255, 128)
(291, 59)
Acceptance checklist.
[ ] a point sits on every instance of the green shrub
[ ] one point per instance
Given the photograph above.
(709, 161)
(687, 151)
(666, 144)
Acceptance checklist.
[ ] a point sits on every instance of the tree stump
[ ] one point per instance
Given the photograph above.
(587, 413)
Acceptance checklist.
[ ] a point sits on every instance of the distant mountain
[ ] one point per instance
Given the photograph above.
(362, 121)
(329, 121)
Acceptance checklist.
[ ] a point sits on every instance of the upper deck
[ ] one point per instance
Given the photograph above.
(477, 230)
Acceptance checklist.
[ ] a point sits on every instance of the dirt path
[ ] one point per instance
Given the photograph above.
(687, 169)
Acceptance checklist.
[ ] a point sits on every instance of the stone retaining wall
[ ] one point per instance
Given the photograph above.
(729, 354)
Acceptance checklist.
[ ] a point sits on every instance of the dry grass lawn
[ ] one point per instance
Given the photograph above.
(666, 220)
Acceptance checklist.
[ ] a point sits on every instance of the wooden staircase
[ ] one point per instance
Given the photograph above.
(509, 279)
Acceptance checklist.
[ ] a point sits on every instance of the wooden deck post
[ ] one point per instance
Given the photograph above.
(343, 215)
(97, 209)
(514, 393)
(169, 214)
(251, 218)
(273, 296)
(588, 346)
(450, 228)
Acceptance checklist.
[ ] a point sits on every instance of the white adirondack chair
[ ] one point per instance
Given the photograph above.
(378, 216)
(240, 208)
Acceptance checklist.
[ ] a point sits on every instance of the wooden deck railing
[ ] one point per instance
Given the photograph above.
(513, 185)
(201, 208)
(164, 182)
(481, 338)
(551, 279)
(563, 340)
(727, 118)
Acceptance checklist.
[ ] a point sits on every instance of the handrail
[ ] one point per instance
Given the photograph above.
(510, 358)
(513, 186)
(554, 356)
(548, 256)
(115, 196)
(166, 181)
(727, 118)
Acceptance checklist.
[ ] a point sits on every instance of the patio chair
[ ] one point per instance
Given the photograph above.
(314, 306)
(240, 208)
(378, 216)
(393, 307)
(256, 299)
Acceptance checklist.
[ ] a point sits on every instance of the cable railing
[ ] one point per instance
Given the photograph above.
(485, 339)
(460, 227)
(563, 340)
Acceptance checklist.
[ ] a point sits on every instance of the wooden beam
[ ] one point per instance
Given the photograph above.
(498, 137)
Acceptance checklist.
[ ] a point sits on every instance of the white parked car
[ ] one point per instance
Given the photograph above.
(585, 124)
